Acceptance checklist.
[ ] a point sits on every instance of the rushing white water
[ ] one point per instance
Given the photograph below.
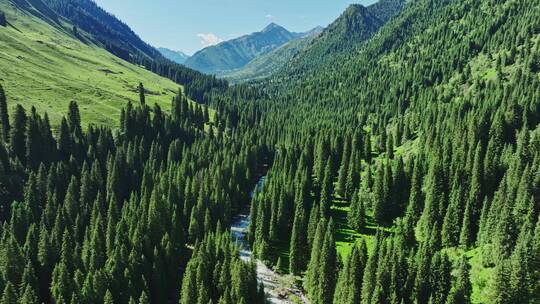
(275, 285)
(239, 227)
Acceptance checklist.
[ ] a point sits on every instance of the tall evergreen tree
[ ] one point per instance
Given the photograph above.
(327, 267)
(17, 137)
(4, 116)
(142, 98)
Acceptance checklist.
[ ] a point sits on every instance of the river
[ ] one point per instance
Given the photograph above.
(279, 289)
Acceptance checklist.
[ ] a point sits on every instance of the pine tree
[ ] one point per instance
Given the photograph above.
(327, 267)
(326, 190)
(4, 117)
(370, 272)
(74, 119)
(3, 21)
(280, 265)
(451, 225)
(440, 278)
(380, 196)
(353, 176)
(415, 204)
(461, 287)
(400, 186)
(297, 244)
(108, 299)
(142, 98)
(312, 276)
(535, 262)
(17, 137)
(465, 236)
(357, 214)
(435, 194)
(314, 219)
(349, 284)
(143, 299)
(9, 295)
(29, 296)
(422, 286)
(64, 140)
(475, 195)
(520, 279)
(343, 171)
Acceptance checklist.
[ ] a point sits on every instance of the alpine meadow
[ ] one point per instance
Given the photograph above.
(391, 156)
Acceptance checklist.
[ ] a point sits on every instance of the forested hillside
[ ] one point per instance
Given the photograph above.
(139, 216)
(343, 37)
(415, 162)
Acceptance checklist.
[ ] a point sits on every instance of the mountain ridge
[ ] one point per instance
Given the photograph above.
(354, 27)
(236, 53)
(175, 56)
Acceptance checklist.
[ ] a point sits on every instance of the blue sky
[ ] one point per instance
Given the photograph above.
(189, 25)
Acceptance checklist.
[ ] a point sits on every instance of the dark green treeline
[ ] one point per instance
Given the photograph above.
(429, 136)
(96, 216)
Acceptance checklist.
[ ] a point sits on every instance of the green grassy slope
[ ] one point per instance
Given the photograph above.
(44, 65)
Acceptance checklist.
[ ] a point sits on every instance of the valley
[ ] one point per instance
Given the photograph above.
(392, 156)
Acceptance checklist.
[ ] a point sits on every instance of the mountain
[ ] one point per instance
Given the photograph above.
(175, 56)
(352, 29)
(268, 64)
(116, 37)
(105, 28)
(45, 64)
(236, 53)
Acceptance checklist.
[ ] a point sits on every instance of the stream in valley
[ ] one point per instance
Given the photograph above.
(278, 288)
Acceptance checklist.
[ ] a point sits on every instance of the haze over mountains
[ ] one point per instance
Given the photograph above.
(175, 56)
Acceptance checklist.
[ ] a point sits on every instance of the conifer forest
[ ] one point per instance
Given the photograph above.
(392, 157)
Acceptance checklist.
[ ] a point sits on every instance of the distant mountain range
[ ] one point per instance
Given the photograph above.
(268, 64)
(237, 53)
(175, 56)
(312, 51)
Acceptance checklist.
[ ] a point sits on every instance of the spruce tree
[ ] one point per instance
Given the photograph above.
(380, 206)
(297, 244)
(312, 277)
(326, 190)
(4, 116)
(343, 171)
(74, 119)
(461, 287)
(3, 21)
(9, 295)
(17, 137)
(327, 267)
(357, 214)
(142, 98)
